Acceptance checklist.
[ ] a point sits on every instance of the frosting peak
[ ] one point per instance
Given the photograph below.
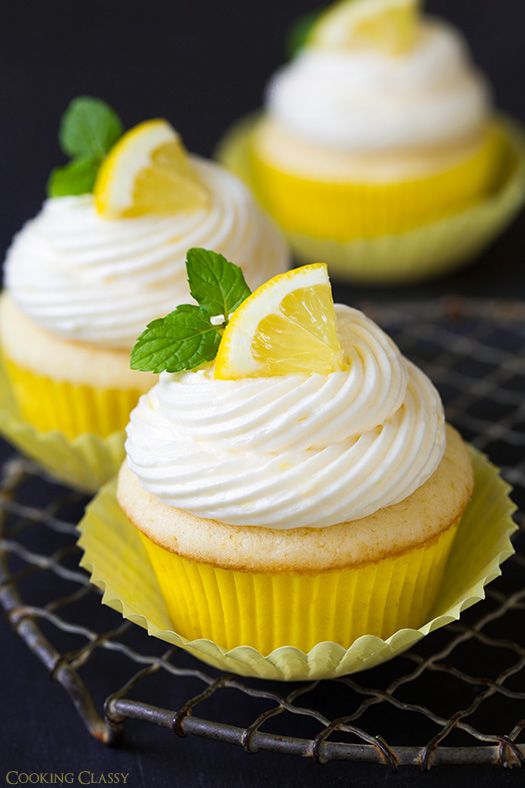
(292, 451)
(101, 281)
(364, 99)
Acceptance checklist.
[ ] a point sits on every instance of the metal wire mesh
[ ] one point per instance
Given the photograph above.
(455, 698)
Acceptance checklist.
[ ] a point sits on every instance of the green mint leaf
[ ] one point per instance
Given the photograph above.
(77, 177)
(182, 340)
(89, 128)
(216, 284)
(300, 31)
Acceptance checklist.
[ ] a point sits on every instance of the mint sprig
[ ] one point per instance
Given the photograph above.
(184, 339)
(77, 177)
(216, 284)
(89, 127)
(188, 337)
(300, 31)
(88, 130)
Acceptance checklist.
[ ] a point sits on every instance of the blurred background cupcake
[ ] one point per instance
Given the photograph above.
(105, 255)
(379, 149)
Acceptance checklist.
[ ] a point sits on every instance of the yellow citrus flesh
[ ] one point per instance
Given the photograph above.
(148, 171)
(389, 25)
(287, 326)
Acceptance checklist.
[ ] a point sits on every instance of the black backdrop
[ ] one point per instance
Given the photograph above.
(200, 64)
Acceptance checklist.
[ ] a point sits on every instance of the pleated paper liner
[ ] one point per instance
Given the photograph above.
(69, 407)
(350, 210)
(266, 609)
(115, 557)
(85, 462)
(422, 253)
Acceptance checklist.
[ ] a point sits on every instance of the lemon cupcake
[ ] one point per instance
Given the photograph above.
(379, 127)
(292, 477)
(105, 255)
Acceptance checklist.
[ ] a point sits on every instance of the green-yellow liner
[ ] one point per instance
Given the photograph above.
(422, 253)
(85, 462)
(115, 557)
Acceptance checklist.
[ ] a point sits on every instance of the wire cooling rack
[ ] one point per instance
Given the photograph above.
(457, 697)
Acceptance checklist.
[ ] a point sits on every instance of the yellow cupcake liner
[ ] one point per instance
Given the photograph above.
(70, 408)
(131, 587)
(346, 211)
(423, 252)
(85, 462)
(266, 609)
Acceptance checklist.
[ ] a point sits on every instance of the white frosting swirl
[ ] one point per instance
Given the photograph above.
(362, 99)
(292, 451)
(101, 281)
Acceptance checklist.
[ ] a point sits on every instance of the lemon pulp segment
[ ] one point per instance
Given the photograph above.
(287, 326)
(390, 25)
(148, 171)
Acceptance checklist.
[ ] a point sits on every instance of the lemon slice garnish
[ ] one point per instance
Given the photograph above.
(389, 25)
(148, 171)
(287, 326)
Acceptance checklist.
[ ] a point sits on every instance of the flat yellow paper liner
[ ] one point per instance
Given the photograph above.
(130, 586)
(85, 462)
(417, 254)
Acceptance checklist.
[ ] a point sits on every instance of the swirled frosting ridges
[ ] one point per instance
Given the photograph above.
(363, 99)
(292, 451)
(101, 281)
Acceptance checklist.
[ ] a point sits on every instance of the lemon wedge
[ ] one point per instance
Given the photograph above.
(390, 25)
(287, 326)
(148, 171)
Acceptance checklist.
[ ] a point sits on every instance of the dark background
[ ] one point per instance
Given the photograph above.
(201, 65)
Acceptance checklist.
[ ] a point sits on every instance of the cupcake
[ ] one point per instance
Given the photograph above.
(379, 127)
(105, 255)
(291, 477)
